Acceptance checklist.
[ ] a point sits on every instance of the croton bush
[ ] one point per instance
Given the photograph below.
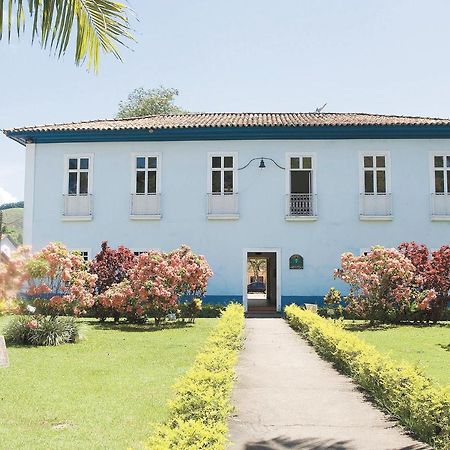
(391, 285)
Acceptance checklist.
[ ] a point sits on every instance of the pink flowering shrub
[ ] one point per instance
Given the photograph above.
(156, 283)
(12, 276)
(380, 283)
(60, 276)
(392, 285)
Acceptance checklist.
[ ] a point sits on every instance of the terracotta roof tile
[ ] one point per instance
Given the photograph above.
(220, 120)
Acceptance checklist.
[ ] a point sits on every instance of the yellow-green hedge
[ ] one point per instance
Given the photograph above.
(201, 403)
(401, 389)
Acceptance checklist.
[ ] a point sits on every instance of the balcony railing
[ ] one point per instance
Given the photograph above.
(225, 205)
(375, 206)
(145, 205)
(301, 205)
(440, 206)
(77, 206)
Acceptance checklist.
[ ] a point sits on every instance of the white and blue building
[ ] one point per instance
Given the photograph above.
(297, 189)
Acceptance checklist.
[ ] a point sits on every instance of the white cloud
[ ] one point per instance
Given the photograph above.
(6, 197)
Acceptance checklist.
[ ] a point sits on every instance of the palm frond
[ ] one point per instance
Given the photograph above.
(96, 26)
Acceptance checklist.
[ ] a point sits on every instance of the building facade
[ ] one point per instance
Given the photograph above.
(297, 190)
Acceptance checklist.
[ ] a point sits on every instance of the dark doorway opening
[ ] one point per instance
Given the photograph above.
(261, 281)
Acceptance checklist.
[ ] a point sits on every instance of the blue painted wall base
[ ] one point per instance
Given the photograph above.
(285, 300)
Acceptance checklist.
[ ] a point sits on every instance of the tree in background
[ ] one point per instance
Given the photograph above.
(100, 26)
(147, 102)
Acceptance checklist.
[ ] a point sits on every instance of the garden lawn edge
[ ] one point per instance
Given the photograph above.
(401, 389)
(201, 403)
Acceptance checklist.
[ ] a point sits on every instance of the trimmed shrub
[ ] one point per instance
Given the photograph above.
(201, 403)
(41, 330)
(399, 388)
(190, 310)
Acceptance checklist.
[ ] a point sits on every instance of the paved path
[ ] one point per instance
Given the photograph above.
(287, 397)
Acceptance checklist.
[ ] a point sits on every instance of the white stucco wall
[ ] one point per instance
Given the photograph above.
(261, 205)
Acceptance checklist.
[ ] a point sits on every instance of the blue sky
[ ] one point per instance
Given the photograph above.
(379, 56)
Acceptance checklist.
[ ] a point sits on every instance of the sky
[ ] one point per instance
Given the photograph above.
(378, 56)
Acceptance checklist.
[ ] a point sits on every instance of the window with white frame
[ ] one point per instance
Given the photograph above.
(300, 186)
(375, 197)
(375, 174)
(301, 175)
(441, 174)
(222, 174)
(146, 175)
(78, 175)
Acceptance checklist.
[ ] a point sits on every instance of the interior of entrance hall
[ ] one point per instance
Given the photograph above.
(261, 281)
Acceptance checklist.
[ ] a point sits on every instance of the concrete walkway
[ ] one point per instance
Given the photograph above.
(287, 397)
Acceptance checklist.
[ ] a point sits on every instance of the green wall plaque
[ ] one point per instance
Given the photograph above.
(296, 262)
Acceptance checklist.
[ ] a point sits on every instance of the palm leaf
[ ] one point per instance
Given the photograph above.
(95, 26)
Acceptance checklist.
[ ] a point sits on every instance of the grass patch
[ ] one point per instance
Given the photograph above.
(100, 393)
(424, 346)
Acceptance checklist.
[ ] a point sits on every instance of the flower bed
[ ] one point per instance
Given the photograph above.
(401, 389)
(201, 404)
(41, 330)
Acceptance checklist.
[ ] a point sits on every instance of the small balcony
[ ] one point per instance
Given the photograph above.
(223, 206)
(440, 206)
(301, 207)
(375, 206)
(145, 207)
(77, 207)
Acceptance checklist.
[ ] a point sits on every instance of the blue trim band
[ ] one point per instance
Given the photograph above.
(285, 300)
(237, 133)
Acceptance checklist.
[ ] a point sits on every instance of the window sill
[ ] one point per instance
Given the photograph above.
(145, 216)
(223, 216)
(440, 218)
(376, 218)
(301, 218)
(76, 218)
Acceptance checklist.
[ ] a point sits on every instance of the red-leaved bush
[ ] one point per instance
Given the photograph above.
(437, 277)
(111, 266)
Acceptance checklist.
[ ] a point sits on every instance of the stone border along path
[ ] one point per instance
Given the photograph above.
(287, 397)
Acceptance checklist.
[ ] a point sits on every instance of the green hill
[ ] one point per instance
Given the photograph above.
(13, 221)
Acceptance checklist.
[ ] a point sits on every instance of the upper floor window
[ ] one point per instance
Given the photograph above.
(301, 196)
(301, 175)
(440, 186)
(222, 198)
(222, 174)
(78, 175)
(375, 201)
(77, 191)
(146, 186)
(375, 176)
(441, 169)
(147, 176)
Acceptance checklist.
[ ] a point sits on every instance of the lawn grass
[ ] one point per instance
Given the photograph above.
(426, 347)
(102, 393)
